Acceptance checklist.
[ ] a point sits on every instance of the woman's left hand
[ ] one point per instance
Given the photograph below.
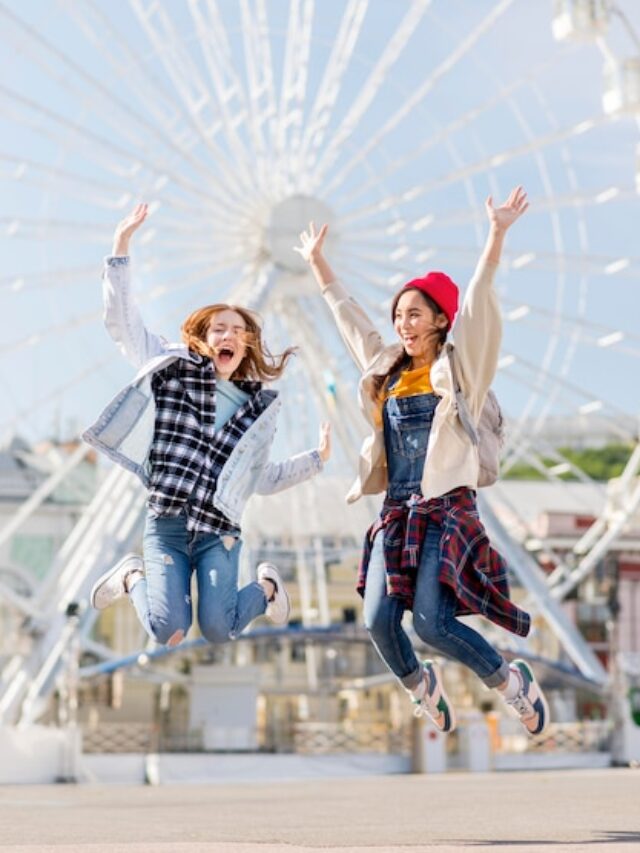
(505, 215)
(324, 443)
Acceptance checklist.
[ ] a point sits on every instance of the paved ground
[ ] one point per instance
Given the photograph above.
(589, 810)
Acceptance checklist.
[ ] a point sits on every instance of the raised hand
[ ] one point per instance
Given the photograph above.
(505, 215)
(126, 227)
(310, 247)
(324, 441)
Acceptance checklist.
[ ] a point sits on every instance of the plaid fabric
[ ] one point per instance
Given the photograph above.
(475, 572)
(187, 453)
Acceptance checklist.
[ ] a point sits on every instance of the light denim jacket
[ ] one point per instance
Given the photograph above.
(124, 430)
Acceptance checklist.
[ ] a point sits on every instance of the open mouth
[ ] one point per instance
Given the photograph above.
(225, 355)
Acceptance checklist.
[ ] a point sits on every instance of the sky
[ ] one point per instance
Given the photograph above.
(397, 123)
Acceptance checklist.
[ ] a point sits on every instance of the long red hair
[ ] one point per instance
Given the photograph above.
(258, 363)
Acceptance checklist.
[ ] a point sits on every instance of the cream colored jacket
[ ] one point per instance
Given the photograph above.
(452, 459)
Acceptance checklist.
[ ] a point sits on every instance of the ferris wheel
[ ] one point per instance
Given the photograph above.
(240, 122)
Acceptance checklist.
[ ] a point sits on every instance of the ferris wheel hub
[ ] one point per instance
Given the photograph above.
(287, 219)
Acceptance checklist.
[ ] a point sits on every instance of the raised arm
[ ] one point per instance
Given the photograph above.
(121, 315)
(358, 332)
(477, 332)
(278, 476)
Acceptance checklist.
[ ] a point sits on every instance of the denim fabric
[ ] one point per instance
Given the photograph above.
(163, 598)
(407, 425)
(433, 621)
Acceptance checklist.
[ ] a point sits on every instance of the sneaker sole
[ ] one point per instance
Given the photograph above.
(95, 589)
(524, 667)
(285, 619)
(283, 591)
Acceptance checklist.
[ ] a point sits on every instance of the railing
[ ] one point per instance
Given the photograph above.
(120, 737)
(587, 736)
(355, 737)
(591, 736)
(326, 738)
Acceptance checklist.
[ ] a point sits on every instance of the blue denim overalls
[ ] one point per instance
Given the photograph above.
(407, 425)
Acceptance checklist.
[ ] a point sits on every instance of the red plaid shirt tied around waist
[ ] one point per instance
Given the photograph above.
(475, 572)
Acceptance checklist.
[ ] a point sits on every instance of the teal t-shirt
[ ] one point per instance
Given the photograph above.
(229, 398)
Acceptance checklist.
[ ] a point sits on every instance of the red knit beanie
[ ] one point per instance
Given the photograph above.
(439, 287)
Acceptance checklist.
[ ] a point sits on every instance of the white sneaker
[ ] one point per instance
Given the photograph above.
(278, 606)
(435, 703)
(529, 704)
(112, 584)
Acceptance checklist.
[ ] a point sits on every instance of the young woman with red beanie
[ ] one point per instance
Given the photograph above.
(428, 550)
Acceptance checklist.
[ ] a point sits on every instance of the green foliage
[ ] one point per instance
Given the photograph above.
(599, 463)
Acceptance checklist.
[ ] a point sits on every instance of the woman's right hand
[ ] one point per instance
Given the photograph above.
(126, 227)
(310, 247)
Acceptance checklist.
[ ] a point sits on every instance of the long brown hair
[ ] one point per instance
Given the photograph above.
(258, 363)
(403, 361)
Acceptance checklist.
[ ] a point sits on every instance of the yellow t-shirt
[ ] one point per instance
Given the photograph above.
(410, 383)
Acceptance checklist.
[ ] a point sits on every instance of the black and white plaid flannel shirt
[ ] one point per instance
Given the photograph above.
(187, 454)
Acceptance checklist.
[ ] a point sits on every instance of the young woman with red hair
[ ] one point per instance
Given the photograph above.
(196, 425)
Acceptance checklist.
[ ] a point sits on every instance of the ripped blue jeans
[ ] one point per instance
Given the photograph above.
(162, 599)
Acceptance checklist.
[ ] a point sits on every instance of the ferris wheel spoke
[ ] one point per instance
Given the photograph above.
(317, 358)
(440, 136)
(22, 170)
(55, 278)
(87, 233)
(100, 150)
(231, 98)
(193, 91)
(457, 54)
(576, 400)
(262, 96)
(392, 52)
(331, 83)
(376, 259)
(151, 92)
(113, 45)
(548, 461)
(294, 86)
(472, 216)
(54, 395)
(168, 287)
(556, 262)
(593, 334)
(354, 272)
(114, 110)
(487, 163)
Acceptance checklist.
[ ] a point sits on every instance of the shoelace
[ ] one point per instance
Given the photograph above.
(422, 708)
(426, 705)
(522, 705)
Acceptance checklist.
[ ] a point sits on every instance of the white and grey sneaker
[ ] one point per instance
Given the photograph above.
(278, 606)
(112, 585)
(434, 702)
(529, 704)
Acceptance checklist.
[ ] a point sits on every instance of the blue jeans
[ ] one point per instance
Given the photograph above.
(163, 598)
(434, 620)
